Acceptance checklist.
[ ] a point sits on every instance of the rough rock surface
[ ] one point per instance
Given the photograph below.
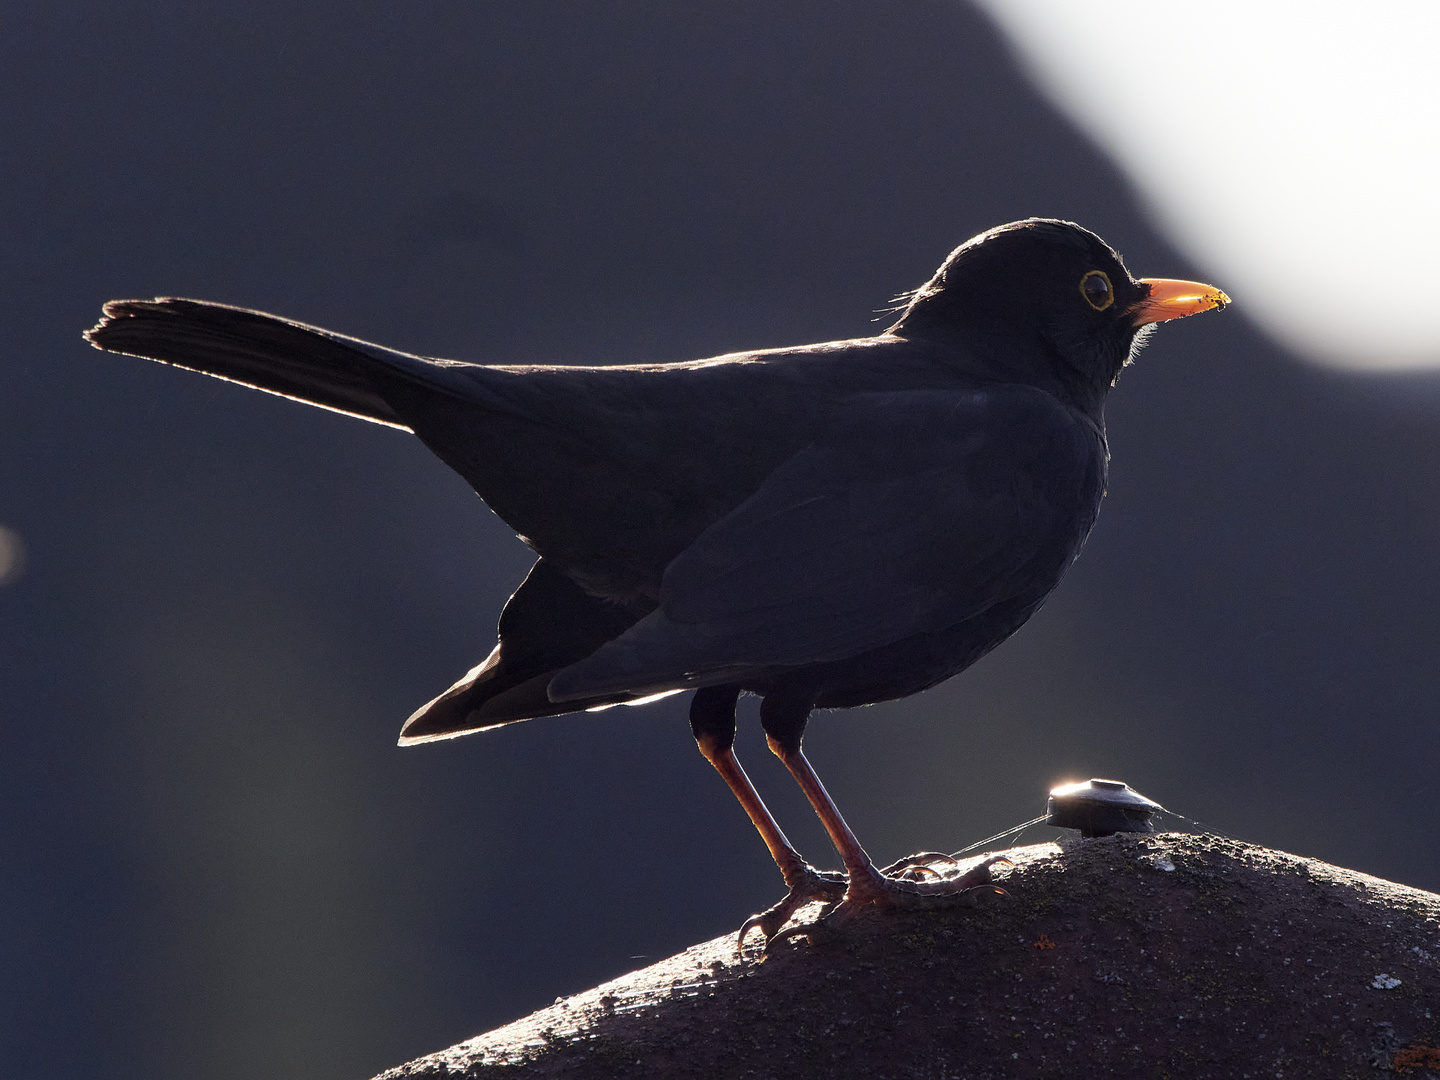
(1176, 955)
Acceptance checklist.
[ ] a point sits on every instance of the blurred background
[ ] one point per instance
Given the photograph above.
(216, 607)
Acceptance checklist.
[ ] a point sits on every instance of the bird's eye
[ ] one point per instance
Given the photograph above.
(1095, 287)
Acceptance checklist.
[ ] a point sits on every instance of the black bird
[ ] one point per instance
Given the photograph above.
(825, 526)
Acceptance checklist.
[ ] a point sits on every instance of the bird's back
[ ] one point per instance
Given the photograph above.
(611, 472)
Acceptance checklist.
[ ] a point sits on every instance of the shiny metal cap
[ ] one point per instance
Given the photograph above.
(1100, 808)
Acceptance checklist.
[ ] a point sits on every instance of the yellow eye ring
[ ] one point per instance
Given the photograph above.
(1096, 289)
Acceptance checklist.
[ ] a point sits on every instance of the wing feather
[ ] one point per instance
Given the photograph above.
(917, 511)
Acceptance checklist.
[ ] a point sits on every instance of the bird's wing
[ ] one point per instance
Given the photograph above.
(549, 622)
(920, 509)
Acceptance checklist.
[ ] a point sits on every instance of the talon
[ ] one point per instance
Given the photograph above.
(754, 921)
(810, 884)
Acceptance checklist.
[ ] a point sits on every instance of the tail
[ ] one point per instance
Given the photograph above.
(550, 622)
(265, 352)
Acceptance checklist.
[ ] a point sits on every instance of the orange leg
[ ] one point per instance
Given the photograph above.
(712, 718)
(858, 867)
(728, 766)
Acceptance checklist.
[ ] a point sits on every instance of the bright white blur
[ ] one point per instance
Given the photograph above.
(1292, 150)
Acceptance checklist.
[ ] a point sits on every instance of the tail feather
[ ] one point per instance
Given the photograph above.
(549, 624)
(264, 352)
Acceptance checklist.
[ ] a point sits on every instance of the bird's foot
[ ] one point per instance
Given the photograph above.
(926, 882)
(809, 884)
(919, 882)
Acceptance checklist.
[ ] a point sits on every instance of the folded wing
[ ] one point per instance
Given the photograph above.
(918, 511)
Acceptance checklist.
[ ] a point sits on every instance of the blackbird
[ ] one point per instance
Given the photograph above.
(824, 526)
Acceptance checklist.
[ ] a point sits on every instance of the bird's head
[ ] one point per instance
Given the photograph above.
(1047, 301)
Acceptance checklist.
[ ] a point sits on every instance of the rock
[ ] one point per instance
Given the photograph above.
(1174, 955)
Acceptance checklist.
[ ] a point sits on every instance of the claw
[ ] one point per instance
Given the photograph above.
(811, 884)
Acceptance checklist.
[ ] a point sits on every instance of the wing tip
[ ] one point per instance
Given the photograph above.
(442, 736)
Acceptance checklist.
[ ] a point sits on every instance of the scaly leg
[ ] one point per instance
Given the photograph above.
(712, 719)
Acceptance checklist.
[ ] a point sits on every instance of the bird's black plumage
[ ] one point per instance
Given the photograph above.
(827, 525)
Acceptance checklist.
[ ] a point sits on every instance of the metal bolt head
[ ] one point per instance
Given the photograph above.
(1100, 808)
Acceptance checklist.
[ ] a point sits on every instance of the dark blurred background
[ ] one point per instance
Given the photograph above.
(215, 862)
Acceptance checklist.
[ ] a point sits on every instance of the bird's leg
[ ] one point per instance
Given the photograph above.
(712, 719)
(784, 722)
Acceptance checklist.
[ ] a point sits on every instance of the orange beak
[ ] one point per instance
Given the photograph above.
(1171, 299)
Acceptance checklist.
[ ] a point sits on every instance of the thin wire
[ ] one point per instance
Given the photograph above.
(999, 836)
(1198, 824)
(1041, 820)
